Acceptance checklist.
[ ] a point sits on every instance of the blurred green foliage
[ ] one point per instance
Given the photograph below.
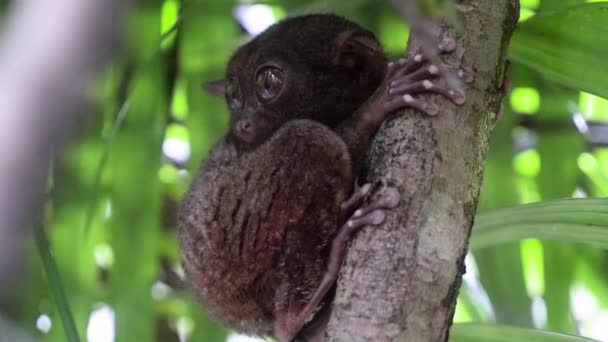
(115, 190)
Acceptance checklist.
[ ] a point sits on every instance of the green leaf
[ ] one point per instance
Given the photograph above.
(56, 285)
(500, 268)
(580, 220)
(568, 46)
(497, 333)
(560, 258)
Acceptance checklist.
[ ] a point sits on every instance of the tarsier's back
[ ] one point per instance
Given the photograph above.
(253, 230)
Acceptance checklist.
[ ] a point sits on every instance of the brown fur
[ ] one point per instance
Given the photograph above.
(253, 241)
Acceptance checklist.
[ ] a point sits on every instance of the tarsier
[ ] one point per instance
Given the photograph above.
(265, 224)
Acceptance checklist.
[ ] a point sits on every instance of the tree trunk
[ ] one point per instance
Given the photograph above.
(400, 281)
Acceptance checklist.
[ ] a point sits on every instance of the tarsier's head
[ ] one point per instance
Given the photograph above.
(320, 67)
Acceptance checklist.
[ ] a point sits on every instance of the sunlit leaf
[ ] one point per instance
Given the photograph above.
(497, 333)
(581, 220)
(568, 46)
(500, 268)
(525, 100)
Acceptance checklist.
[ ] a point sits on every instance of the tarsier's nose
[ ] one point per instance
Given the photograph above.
(244, 126)
(245, 130)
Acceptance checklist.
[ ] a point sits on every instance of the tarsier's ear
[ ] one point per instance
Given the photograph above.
(353, 45)
(216, 88)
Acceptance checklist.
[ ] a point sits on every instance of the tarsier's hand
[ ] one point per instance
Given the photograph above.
(413, 75)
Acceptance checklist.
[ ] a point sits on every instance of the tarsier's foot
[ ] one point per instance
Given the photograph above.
(389, 198)
(369, 214)
(355, 200)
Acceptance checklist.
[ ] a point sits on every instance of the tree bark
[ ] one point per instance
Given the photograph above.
(400, 281)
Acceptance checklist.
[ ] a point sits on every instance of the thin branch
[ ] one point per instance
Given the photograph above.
(101, 166)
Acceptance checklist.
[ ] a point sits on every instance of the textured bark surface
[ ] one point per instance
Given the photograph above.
(400, 281)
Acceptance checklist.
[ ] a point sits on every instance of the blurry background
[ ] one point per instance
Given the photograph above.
(114, 191)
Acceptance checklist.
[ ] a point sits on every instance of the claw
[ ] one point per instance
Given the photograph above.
(457, 96)
(356, 198)
(419, 75)
(447, 44)
(431, 109)
(408, 100)
(375, 218)
(466, 74)
(389, 198)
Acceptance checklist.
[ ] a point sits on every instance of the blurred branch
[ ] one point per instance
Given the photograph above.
(421, 25)
(101, 165)
(45, 66)
(13, 332)
(424, 18)
(118, 123)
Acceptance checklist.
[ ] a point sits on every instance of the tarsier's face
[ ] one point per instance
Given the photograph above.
(255, 103)
(322, 73)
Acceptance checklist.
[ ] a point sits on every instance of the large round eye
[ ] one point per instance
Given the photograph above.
(233, 94)
(268, 83)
